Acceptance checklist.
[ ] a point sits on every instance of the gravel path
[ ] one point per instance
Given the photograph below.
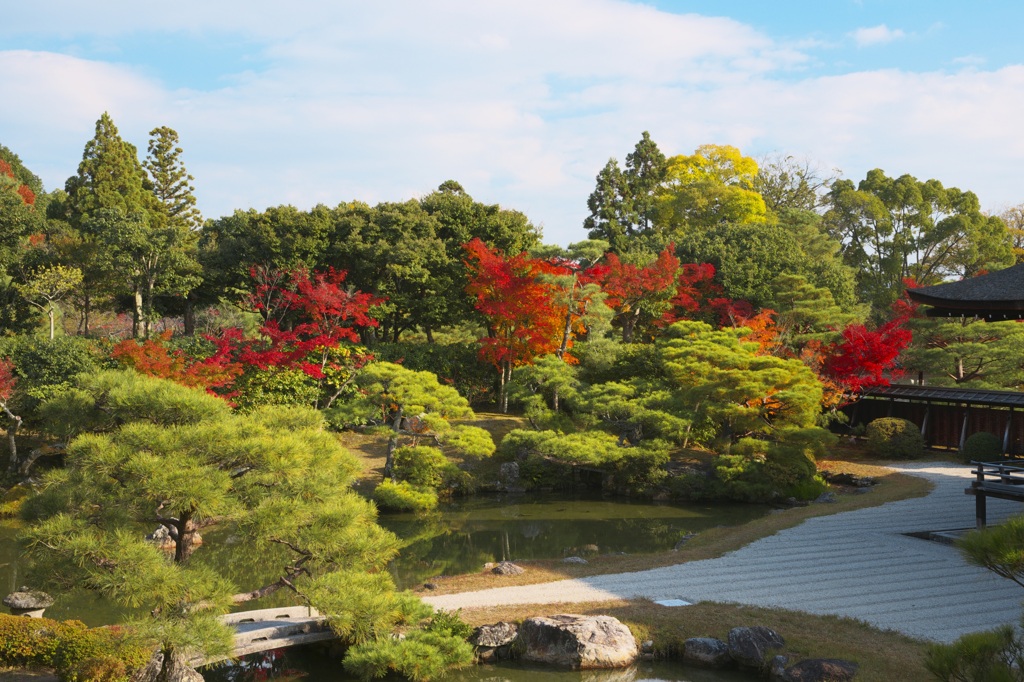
(859, 564)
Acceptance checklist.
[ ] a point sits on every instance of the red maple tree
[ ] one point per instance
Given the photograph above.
(523, 319)
(636, 292)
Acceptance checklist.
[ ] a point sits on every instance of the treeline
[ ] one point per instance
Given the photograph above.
(713, 236)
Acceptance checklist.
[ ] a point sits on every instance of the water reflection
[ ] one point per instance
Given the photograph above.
(464, 535)
(313, 665)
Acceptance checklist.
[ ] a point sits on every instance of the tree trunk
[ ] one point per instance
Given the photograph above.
(50, 313)
(430, 334)
(185, 543)
(13, 424)
(190, 317)
(137, 315)
(389, 461)
(506, 376)
(629, 325)
(86, 304)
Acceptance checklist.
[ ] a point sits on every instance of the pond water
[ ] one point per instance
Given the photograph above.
(465, 534)
(312, 665)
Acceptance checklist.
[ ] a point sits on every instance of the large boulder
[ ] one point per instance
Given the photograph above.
(754, 647)
(821, 670)
(577, 642)
(707, 652)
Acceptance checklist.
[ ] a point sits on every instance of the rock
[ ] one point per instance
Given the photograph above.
(26, 602)
(706, 651)
(430, 586)
(751, 647)
(574, 560)
(494, 642)
(163, 538)
(777, 668)
(647, 647)
(841, 478)
(506, 568)
(577, 642)
(826, 498)
(496, 635)
(821, 670)
(177, 669)
(508, 477)
(683, 540)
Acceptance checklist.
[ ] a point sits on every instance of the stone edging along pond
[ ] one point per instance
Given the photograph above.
(594, 642)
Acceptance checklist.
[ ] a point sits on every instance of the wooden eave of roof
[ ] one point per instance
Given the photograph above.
(945, 394)
(1000, 290)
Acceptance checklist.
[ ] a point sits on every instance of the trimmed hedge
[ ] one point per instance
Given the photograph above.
(894, 438)
(982, 446)
(76, 652)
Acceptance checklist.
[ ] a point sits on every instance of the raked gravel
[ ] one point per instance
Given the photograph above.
(859, 564)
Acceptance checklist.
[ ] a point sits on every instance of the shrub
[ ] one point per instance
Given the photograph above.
(77, 653)
(402, 496)
(421, 465)
(893, 438)
(992, 656)
(982, 446)
(455, 364)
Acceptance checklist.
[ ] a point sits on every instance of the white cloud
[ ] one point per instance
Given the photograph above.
(521, 102)
(876, 35)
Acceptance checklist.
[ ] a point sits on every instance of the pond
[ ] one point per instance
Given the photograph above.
(312, 665)
(467, 533)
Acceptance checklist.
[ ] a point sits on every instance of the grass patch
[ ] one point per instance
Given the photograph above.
(883, 656)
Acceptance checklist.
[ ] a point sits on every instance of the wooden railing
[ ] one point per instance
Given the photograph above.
(1003, 479)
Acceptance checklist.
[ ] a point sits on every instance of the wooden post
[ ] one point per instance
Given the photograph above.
(963, 428)
(979, 509)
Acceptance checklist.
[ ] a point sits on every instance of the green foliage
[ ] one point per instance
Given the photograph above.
(1000, 549)
(150, 448)
(982, 447)
(967, 352)
(103, 401)
(275, 386)
(421, 465)
(47, 368)
(894, 438)
(402, 496)
(757, 470)
(449, 623)
(455, 364)
(992, 656)
(77, 653)
(420, 656)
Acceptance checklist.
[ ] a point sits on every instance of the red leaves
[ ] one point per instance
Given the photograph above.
(154, 358)
(519, 306)
(306, 316)
(863, 358)
(26, 194)
(8, 379)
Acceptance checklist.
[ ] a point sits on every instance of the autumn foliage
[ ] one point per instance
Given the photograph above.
(26, 194)
(518, 304)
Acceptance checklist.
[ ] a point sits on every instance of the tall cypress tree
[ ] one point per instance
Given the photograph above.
(107, 190)
(171, 182)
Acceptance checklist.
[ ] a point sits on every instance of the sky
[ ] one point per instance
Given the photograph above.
(521, 101)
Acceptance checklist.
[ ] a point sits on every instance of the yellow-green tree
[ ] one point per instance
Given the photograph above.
(715, 184)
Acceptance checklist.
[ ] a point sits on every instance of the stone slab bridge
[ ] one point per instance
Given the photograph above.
(266, 629)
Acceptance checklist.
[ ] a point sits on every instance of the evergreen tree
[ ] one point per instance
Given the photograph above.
(171, 183)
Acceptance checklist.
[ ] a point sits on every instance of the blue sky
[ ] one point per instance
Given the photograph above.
(520, 101)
